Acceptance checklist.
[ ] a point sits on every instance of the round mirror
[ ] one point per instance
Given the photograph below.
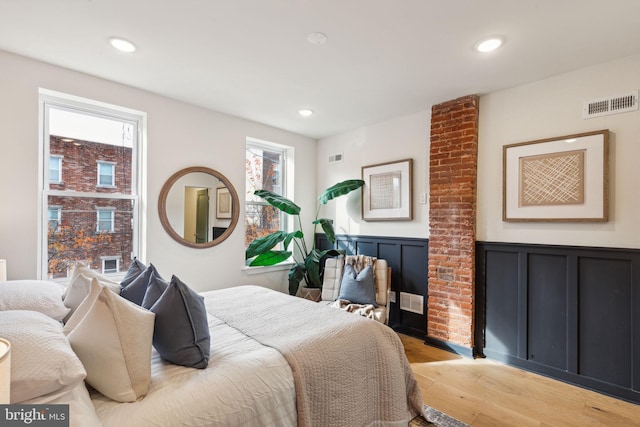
(198, 207)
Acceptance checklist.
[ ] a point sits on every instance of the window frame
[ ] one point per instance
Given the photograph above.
(49, 100)
(286, 182)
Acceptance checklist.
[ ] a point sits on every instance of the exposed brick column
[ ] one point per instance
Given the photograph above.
(452, 220)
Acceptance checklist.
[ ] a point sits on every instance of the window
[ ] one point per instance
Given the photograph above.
(110, 265)
(97, 217)
(266, 169)
(55, 169)
(54, 214)
(106, 174)
(105, 221)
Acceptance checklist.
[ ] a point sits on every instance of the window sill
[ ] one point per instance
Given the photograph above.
(116, 277)
(268, 269)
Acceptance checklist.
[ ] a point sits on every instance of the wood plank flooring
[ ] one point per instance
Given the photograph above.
(482, 392)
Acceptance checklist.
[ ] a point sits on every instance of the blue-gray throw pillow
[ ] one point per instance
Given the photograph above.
(155, 288)
(181, 331)
(134, 271)
(360, 288)
(135, 290)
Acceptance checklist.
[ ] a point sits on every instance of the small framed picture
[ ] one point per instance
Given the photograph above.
(223, 203)
(387, 192)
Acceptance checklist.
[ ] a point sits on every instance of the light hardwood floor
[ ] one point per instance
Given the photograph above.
(481, 392)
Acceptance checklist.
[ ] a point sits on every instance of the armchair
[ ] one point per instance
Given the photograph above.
(333, 271)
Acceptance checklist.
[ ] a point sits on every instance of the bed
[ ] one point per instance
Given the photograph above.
(274, 360)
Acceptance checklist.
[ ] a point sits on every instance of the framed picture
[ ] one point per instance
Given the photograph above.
(562, 179)
(223, 203)
(387, 192)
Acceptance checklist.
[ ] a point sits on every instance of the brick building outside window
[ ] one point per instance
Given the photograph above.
(96, 230)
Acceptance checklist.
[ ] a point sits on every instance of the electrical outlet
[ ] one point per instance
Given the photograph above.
(423, 198)
(392, 296)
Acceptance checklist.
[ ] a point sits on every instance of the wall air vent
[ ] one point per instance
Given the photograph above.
(336, 158)
(612, 105)
(412, 302)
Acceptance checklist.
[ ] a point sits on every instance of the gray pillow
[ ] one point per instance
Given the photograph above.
(135, 290)
(360, 288)
(181, 331)
(135, 269)
(155, 288)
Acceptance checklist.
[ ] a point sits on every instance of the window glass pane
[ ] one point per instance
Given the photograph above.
(105, 221)
(77, 238)
(54, 169)
(264, 171)
(89, 143)
(54, 217)
(264, 168)
(95, 148)
(260, 220)
(105, 174)
(110, 266)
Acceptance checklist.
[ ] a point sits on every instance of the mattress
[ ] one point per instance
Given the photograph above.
(245, 384)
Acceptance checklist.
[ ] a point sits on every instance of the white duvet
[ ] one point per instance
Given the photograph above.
(245, 384)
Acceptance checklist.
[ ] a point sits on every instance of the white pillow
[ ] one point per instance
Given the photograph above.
(82, 413)
(86, 271)
(42, 361)
(112, 337)
(79, 288)
(83, 308)
(35, 295)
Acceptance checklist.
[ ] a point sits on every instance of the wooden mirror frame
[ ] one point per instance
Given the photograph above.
(162, 207)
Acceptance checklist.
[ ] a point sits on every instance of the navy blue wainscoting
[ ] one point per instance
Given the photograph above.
(408, 259)
(572, 313)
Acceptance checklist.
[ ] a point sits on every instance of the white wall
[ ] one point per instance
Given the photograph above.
(551, 108)
(396, 139)
(179, 135)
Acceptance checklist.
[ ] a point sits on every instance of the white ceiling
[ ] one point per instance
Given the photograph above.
(383, 58)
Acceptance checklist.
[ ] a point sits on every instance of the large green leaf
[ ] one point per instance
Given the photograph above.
(331, 252)
(264, 243)
(296, 234)
(315, 255)
(270, 258)
(296, 274)
(312, 264)
(313, 271)
(327, 227)
(340, 189)
(276, 200)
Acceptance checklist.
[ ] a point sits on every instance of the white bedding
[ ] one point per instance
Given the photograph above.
(245, 384)
(358, 371)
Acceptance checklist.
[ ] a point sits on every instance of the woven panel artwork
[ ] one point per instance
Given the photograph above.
(552, 179)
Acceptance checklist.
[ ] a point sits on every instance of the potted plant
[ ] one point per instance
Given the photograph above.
(307, 267)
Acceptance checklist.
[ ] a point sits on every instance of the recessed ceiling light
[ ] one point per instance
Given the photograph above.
(488, 45)
(122, 44)
(317, 38)
(305, 112)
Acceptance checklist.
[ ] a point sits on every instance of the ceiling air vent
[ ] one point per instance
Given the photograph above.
(336, 158)
(613, 105)
(412, 302)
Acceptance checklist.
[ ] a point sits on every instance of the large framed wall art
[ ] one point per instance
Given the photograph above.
(563, 179)
(387, 192)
